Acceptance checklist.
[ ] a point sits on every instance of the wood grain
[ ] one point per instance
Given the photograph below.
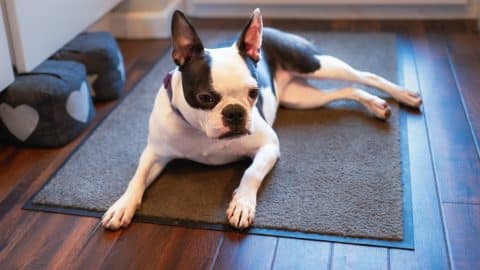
(456, 161)
(463, 231)
(430, 245)
(98, 245)
(359, 257)
(302, 254)
(464, 54)
(136, 246)
(186, 249)
(244, 251)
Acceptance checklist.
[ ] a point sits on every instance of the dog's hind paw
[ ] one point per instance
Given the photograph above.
(378, 107)
(409, 98)
(241, 210)
(120, 214)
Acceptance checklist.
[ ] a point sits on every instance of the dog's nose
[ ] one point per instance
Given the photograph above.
(234, 115)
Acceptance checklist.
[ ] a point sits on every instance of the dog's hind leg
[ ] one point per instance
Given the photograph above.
(299, 94)
(335, 69)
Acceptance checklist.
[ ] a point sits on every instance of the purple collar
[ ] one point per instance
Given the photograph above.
(167, 83)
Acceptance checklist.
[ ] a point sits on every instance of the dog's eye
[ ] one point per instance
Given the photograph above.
(205, 98)
(253, 93)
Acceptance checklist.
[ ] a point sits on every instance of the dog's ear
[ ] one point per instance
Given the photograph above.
(185, 41)
(250, 40)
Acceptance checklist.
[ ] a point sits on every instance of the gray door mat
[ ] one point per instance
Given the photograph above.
(337, 169)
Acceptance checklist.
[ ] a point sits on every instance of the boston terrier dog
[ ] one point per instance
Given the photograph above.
(219, 105)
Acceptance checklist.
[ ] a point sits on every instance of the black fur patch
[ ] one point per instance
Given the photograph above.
(263, 78)
(289, 52)
(260, 105)
(197, 78)
(251, 66)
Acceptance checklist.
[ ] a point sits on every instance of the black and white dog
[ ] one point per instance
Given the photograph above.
(219, 105)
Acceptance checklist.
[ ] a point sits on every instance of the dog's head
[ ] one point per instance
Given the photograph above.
(219, 86)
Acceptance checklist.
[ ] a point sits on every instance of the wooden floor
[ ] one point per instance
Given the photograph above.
(441, 59)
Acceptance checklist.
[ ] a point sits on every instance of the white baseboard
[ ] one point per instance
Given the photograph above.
(216, 9)
(139, 24)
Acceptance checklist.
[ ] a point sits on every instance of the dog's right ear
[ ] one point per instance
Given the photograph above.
(185, 41)
(250, 40)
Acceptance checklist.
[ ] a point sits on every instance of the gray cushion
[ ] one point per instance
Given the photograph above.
(47, 107)
(100, 54)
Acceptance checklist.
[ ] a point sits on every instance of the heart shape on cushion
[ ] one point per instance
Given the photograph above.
(78, 103)
(20, 121)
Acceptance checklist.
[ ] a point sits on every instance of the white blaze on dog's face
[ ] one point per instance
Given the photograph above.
(219, 87)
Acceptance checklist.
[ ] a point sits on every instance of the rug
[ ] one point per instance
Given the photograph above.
(340, 176)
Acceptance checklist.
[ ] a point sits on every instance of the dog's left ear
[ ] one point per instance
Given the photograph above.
(250, 40)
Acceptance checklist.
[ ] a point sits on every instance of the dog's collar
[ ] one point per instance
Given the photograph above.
(167, 83)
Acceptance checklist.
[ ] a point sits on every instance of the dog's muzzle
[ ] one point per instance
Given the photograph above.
(234, 116)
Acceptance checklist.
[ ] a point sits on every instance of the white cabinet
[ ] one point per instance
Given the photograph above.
(39, 28)
(6, 72)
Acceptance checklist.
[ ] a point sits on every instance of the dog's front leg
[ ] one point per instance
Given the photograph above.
(241, 210)
(121, 212)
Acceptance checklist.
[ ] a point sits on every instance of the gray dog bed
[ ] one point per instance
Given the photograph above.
(47, 107)
(100, 54)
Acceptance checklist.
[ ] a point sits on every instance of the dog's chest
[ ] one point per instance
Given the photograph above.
(211, 152)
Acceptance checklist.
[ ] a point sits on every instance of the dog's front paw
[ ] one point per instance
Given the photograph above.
(241, 211)
(121, 212)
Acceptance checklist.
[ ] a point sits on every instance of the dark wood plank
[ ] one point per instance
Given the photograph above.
(190, 249)
(171, 248)
(302, 254)
(464, 52)
(97, 247)
(13, 232)
(242, 251)
(36, 250)
(463, 230)
(136, 246)
(430, 246)
(71, 244)
(456, 161)
(359, 257)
